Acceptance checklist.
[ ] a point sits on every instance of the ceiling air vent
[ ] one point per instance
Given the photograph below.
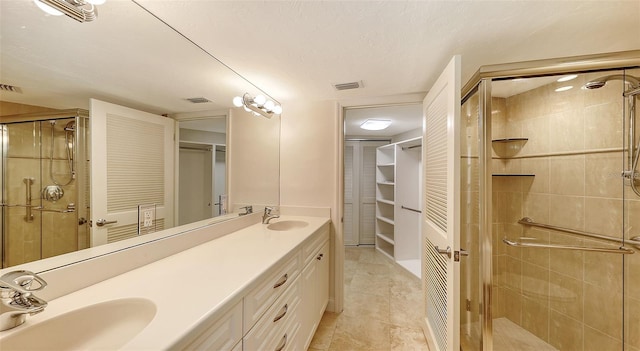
(198, 100)
(11, 88)
(347, 86)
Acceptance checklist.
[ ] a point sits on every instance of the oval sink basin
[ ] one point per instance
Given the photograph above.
(287, 225)
(107, 326)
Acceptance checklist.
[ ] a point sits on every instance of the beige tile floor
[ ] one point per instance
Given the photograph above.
(382, 308)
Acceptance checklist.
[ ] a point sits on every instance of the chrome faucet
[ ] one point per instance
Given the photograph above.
(16, 298)
(247, 209)
(267, 216)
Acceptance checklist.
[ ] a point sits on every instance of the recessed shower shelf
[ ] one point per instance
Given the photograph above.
(513, 175)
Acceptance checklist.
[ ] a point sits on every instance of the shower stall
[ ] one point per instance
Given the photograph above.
(550, 210)
(44, 185)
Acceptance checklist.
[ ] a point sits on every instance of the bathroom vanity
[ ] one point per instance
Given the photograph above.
(264, 286)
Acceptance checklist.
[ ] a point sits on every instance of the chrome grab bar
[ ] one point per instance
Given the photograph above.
(410, 209)
(28, 182)
(635, 241)
(621, 250)
(42, 209)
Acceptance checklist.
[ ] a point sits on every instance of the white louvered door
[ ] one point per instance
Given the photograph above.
(441, 153)
(132, 163)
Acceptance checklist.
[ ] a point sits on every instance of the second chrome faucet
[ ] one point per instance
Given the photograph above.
(268, 214)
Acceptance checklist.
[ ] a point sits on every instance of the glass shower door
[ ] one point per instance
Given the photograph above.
(632, 226)
(21, 178)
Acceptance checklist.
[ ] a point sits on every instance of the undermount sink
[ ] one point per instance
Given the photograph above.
(287, 225)
(107, 326)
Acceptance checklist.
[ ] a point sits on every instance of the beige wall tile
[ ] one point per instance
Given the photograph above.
(566, 130)
(535, 318)
(567, 262)
(566, 211)
(602, 175)
(536, 207)
(567, 175)
(566, 295)
(595, 340)
(604, 125)
(632, 322)
(539, 167)
(605, 316)
(565, 333)
(604, 216)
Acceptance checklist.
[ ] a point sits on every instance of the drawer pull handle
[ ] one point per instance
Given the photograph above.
(320, 256)
(283, 342)
(285, 308)
(282, 281)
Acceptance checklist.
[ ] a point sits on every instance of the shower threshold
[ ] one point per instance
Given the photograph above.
(507, 336)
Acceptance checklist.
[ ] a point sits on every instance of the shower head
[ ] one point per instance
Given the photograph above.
(600, 82)
(70, 127)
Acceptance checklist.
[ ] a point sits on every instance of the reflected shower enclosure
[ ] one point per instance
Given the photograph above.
(551, 208)
(44, 185)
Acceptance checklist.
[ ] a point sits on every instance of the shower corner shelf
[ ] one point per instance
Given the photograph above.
(508, 147)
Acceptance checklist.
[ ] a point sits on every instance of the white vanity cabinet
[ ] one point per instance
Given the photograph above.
(315, 286)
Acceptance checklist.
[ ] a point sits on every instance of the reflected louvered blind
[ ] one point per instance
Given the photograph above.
(135, 166)
(436, 163)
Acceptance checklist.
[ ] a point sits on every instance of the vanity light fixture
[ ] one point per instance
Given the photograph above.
(80, 10)
(259, 105)
(375, 124)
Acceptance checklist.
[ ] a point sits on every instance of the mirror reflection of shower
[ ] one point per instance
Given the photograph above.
(69, 141)
(631, 174)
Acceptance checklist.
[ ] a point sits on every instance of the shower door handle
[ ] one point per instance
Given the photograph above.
(101, 222)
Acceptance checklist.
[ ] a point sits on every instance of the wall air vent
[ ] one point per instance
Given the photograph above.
(198, 100)
(11, 88)
(347, 86)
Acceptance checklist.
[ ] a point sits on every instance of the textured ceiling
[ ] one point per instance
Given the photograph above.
(289, 49)
(298, 49)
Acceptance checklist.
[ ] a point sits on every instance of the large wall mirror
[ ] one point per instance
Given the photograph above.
(74, 102)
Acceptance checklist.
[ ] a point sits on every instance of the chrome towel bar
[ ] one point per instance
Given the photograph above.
(635, 241)
(620, 250)
(410, 209)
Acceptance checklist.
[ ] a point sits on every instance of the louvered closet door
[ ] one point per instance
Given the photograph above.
(132, 163)
(441, 216)
(368, 192)
(350, 228)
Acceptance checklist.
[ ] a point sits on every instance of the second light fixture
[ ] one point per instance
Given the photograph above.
(259, 105)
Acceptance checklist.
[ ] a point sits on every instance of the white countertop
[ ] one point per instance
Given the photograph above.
(191, 286)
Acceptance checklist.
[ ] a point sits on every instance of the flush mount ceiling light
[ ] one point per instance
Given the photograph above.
(375, 124)
(79, 10)
(567, 78)
(565, 88)
(259, 105)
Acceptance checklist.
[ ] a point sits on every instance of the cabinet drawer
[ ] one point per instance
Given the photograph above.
(273, 324)
(315, 243)
(222, 334)
(269, 289)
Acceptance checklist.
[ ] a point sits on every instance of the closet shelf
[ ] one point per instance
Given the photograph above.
(386, 220)
(382, 251)
(386, 238)
(388, 202)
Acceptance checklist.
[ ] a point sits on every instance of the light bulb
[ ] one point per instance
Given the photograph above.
(237, 101)
(277, 109)
(256, 114)
(247, 109)
(48, 9)
(96, 2)
(269, 105)
(260, 100)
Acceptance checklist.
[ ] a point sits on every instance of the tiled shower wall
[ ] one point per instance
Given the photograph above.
(573, 300)
(49, 233)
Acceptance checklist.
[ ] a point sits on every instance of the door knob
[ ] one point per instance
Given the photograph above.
(101, 222)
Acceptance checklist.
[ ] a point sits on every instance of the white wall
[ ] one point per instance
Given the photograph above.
(310, 148)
